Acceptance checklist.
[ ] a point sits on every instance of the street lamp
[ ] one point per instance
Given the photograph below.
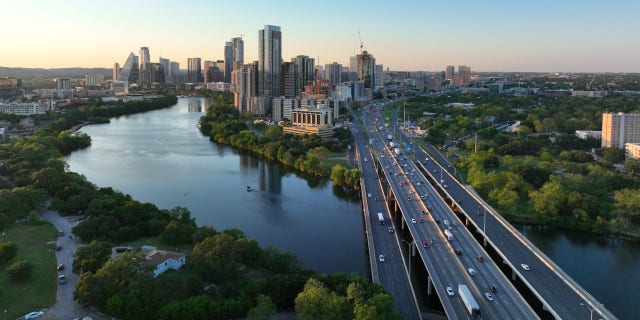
(591, 309)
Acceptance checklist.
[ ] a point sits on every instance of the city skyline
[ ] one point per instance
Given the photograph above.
(544, 36)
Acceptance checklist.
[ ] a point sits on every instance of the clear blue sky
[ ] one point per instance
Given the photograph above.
(490, 35)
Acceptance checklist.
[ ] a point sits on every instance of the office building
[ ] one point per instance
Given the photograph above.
(379, 79)
(365, 69)
(289, 80)
(269, 62)
(434, 83)
(145, 68)
(166, 66)
(619, 129)
(305, 72)
(130, 72)
(333, 73)
(116, 71)
(449, 72)
(93, 80)
(315, 121)
(464, 73)
(247, 87)
(194, 70)
(228, 59)
(213, 71)
(237, 45)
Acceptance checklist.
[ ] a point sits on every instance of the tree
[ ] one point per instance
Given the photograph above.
(91, 257)
(8, 251)
(263, 310)
(177, 233)
(316, 302)
(19, 270)
(632, 165)
(550, 198)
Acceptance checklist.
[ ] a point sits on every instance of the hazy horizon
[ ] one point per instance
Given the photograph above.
(494, 36)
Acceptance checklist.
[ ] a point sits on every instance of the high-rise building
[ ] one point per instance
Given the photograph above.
(93, 79)
(353, 67)
(449, 72)
(289, 80)
(620, 128)
(130, 71)
(166, 65)
(465, 73)
(333, 73)
(379, 79)
(194, 70)
(365, 69)
(269, 62)
(305, 72)
(156, 74)
(175, 72)
(116, 71)
(228, 59)
(213, 72)
(238, 50)
(145, 68)
(247, 88)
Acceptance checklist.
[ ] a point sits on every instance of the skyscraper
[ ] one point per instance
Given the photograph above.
(228, 59)
(269, 62)
(166, 65)
(365, 69)
(116, 71)
(130, 71)
(305, 72)
(465, 73)
(289, 80)
(379, 71)
(333, 73)
(145, 68)
(194, 70)
(238, 50)
(247, 78)
(449, 72)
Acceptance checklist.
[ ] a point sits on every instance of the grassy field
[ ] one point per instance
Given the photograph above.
(39, 291)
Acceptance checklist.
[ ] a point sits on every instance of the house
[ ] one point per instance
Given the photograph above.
(163, 260)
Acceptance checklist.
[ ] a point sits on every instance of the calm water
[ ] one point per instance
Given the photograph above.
(608, 268)
(161, 157)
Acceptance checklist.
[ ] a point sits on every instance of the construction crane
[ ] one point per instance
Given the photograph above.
(360, 37)
(591, 82)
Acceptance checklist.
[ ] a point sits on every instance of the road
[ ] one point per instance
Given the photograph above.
(65, 307)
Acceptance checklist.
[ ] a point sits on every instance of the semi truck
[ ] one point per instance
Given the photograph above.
(448, 234)
(469, 302)
(380, 218)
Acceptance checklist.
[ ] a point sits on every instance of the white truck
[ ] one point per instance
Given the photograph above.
(396, 151)
(469, 301)
(448, 234)
(380, 218)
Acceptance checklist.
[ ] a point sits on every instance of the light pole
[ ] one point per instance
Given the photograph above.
(591, 309)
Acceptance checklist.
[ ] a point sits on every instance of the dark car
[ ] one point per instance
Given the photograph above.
(60, 267)
(492, 289)
(480, 258)
(425, 244)
(458, 251)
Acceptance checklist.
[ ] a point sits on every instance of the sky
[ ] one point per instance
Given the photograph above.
(409, 35)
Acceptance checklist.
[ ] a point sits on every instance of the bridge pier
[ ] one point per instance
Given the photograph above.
(513, 275)
(429, 285)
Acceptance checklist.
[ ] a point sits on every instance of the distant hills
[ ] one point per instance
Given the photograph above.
(41, 73)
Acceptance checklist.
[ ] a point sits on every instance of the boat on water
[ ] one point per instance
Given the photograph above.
(248, 188)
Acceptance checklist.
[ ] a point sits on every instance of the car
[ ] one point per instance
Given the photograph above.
(413, 220)
(480, 258)
(60, 233)
(450, 292)
(366, 159)
(60, 267)
(421, 220)
(457, 251)
(58, 247)
(489, 296)
(425, 244)
(446, 222)
(390, 230)
(381, 258)
(437, 220)
(492, 288)
(426, 159)
(34, 315)
(472, 271)
(435, 171)
(525, 266)
(62, 279)
(87, 318)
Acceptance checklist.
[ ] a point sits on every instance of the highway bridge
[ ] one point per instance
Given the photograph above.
(420, 194)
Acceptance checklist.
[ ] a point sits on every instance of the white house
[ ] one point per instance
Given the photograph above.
(164, 260)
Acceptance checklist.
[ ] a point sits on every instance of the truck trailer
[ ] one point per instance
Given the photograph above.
(380, 218)
(469, 302)
(448, 234)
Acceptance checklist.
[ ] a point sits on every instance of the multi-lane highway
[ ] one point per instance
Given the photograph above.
(560, 295)
(445, 267)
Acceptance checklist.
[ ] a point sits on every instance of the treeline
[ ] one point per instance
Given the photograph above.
(542, 174)
(306, 153)
(227, 276)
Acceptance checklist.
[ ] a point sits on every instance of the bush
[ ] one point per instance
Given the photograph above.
(19, 270)
(8, 251)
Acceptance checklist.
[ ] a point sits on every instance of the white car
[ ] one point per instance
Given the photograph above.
(34, 315)
(472, 271)
(450, 292)
(413, 220)
(381, 258)
(489, 296)
(525, 266)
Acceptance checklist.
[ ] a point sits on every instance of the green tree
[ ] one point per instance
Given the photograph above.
(263, 310)
(91, 257)
(316, 302)
(177, 233)
(19, 270)
(632, 165)
(8, 251)
(550, 198)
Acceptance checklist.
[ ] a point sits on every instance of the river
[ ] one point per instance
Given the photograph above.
(161, 157)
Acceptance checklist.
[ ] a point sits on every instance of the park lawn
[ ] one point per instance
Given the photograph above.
(155, 241)
(39, 291)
